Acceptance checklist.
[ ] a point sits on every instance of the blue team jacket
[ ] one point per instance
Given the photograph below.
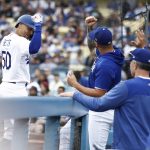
(131, 101)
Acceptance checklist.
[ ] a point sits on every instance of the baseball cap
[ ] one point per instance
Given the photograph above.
(141, 55)
(101, 35)
(27, 20)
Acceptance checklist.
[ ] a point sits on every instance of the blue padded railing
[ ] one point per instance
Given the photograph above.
(22, 108)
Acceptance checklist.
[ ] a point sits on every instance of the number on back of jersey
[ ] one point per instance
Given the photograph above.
(6, 60)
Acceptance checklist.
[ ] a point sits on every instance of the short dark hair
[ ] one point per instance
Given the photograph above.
(61, 87)
(144, 66)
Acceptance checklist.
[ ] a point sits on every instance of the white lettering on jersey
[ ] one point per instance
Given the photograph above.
(93, 66)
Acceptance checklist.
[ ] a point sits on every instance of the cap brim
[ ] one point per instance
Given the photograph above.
(131, 56)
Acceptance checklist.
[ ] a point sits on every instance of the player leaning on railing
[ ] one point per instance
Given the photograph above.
(15, 50)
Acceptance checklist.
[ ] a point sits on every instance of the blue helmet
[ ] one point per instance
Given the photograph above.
(27, 20)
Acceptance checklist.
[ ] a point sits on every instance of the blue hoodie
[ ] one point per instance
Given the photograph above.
(106, 70)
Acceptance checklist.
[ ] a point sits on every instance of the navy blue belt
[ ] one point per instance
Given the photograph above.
(25, 84)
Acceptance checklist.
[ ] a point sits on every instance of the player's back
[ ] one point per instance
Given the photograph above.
(15, 58)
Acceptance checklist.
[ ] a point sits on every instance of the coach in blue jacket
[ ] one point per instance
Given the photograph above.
(131, 101)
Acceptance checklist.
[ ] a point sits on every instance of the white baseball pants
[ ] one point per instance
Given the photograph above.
(98, 128)
(11, 90)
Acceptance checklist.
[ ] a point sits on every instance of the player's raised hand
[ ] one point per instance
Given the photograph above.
(37, 18)
(90, 21)
(140, 41)
(71, 79)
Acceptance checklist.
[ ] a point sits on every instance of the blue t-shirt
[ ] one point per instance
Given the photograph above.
(106, 70)
(131, 101)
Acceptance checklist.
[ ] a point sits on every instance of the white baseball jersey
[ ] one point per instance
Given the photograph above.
(15, 58)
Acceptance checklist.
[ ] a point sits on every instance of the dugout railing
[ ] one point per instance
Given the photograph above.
(23, 108)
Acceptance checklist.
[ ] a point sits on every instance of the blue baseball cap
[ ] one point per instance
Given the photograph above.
(27, 20)
(141, 55)
(101, 35)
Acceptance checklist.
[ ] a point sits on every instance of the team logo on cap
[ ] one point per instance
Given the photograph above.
(95, 39)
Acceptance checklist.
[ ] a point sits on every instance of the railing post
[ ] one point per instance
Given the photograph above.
(20, 135)
(52, 128)
(1, 129)
(72, 131)
(77, 136)
(84, 133)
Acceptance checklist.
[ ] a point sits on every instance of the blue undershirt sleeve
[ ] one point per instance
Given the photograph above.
(111, 100)
(35, 43)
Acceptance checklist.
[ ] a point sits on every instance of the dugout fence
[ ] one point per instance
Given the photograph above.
(23, 108)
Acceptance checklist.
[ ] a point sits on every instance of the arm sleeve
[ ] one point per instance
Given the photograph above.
(111, 100)
(35, 43)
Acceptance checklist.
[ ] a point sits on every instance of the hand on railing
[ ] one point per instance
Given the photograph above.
(67, 94)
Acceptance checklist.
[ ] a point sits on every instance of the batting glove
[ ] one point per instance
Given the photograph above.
(37, 18)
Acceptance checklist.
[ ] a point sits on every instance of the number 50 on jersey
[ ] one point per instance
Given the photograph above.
(6, 60)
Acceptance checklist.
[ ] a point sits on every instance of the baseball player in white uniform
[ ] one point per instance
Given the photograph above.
(15, 50)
